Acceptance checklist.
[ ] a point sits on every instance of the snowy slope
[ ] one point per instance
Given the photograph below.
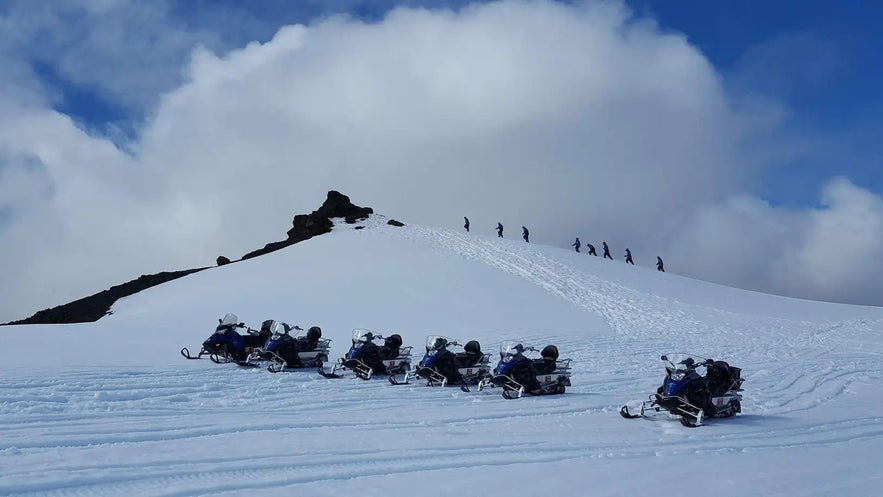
(110, 408)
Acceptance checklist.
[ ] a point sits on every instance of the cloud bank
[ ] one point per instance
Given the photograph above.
(575, 120)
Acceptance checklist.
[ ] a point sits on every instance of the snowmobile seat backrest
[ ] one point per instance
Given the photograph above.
(550, 353)
(472, 347)
(471, 355)
(265, 326)
(390, 349)
(314, 333)
(718, 370)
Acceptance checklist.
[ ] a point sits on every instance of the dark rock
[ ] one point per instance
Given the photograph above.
(359, 228)
(222, 260)
(395, 223)
(305, 226)
(95, 306)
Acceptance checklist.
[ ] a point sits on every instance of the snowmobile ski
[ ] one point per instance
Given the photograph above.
(394, 381)
(186, 353)
(624, 412)
(218, 359)
(325, 374)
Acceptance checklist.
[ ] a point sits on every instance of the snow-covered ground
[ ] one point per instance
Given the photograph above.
(111, 408)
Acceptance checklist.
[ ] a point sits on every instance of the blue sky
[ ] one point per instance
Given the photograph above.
(739, 140)
(821, 58)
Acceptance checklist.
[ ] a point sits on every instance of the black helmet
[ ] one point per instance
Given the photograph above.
(314, 333)
(393, 341)
(472, 347)
(550, 353)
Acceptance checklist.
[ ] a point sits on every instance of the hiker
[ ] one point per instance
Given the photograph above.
(500, 230)
(659, 265)
(606, 251)
(576, 244)
(525, 234)
(467, 223)
(592, 249)
(628, 257)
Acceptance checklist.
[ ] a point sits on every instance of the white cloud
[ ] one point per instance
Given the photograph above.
(572, 120)
(825, 253)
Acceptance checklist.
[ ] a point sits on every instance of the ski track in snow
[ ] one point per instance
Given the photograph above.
(183, 431)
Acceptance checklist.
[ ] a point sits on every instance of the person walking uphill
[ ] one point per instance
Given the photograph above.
(628, 257)
(592, 249)
(467, 223)
(606, 251)
(659, 265)
(576, 244)
(500, 230)
(525, 234)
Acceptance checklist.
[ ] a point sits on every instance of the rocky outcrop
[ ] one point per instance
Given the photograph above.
(306, 226)
(221, 260)
(393, 222)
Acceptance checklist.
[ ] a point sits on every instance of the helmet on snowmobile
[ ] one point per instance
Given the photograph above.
(436, 344)
(510, 351)
(362, 336)
(314, 333)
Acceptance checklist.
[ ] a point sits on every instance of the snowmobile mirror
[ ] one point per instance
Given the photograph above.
(220, 320)
(664, 358)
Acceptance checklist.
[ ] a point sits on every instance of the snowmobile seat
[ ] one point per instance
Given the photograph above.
(549, 361)
(311, 340)
(722, 377)
(391, 346)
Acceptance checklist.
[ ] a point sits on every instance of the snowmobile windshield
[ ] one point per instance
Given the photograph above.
(229, 319)
(362, 337)
(280, 329)
(510, 350)
(228, 323)
(436, 344)
(679, 364)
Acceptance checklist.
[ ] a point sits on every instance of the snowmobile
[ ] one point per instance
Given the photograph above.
(284, 352)
(366, 359)
(227, 345)
(442, 367)
(691, 396)
(518, 374)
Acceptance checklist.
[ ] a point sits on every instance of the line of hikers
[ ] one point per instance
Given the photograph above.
(525, 234)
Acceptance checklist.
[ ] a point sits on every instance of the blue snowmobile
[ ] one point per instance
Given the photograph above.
(227, 345)
(366, 359)
(442, 367)
(284, 352)
(517, 374)
(691, 395)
